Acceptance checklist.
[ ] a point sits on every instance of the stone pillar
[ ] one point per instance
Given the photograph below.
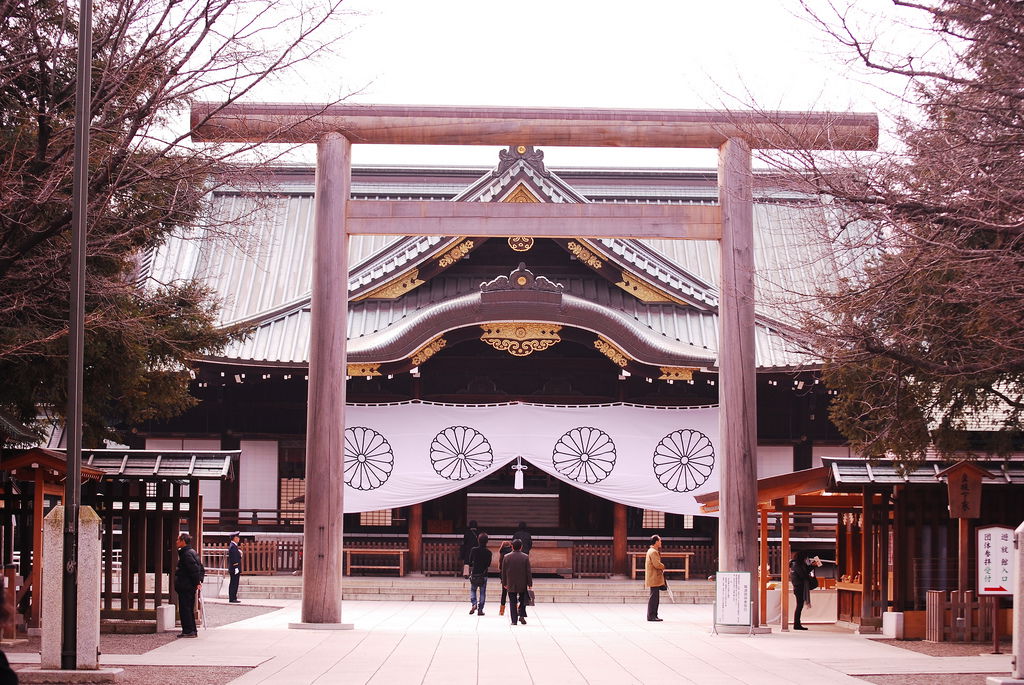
(325, 421)
(89, 555)
(620, 542)
(737, 532)
(416, 538)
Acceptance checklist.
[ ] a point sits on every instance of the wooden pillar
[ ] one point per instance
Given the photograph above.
(737, 532)
(416, 538)
(883, 554)
(762, 584)
(963, 550)
(867, 566)
(784, 556)
(620, 542)
(325, 419)
(36, 608)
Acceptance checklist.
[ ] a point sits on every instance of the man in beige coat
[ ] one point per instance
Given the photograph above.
(654, 577)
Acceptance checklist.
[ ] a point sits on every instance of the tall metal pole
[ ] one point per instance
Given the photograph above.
(76, 339)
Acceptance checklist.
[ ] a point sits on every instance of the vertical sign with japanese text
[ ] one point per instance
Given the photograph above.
(995, 560)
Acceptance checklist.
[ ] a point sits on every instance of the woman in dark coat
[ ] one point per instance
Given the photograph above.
(800, 576)
(503, 550)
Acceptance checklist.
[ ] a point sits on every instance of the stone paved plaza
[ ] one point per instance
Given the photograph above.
(395, 643)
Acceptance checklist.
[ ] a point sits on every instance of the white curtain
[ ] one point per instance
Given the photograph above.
(653, 458)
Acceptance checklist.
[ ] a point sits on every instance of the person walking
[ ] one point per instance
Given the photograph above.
(800, 575)
(188, 580)
(469, 541)
(523, 534)
(503, 551)
(234, 567)
(479, 562)
(517, 578)
(654, 578)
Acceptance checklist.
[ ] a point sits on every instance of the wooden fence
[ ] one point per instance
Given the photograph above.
(958, 616)
(259, 558)
(442, 559)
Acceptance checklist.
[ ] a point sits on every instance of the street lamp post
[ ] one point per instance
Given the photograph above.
(76, 339)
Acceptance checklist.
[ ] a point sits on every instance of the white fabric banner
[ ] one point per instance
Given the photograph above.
(647, 457)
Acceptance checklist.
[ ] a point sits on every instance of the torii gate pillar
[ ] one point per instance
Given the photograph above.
(737, 524)
(322, 563)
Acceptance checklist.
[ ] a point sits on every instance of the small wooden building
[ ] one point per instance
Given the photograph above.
(144, 498)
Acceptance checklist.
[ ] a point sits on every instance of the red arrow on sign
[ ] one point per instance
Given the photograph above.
(995, 589)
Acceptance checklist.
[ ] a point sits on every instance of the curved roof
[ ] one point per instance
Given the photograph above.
(255, 253)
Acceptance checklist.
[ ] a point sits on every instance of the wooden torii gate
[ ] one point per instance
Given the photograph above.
(334, 128)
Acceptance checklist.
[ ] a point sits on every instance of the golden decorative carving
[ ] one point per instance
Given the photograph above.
(428, 350)
(584, 255)
(640, 290)
(455, 254)
(521, 149)
(608, 349)
(520, 243)
(518, 338)
(520, 194)
(676, 373)
(396, 288)
(364, 369)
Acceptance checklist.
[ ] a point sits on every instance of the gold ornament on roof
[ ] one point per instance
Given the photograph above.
(364, 369)
(396, 288)
(520, 339)
(608, 349)
(640, 290)
(428, 350)
(520, 195)
(455, 254)
(676, 373)
(520, 243)
(584, 255)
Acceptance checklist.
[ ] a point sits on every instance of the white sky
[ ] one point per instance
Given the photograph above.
(672, 54)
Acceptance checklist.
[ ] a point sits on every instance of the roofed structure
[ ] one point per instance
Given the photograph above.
(654, 302)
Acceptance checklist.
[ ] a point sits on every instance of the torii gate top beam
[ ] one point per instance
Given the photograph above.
(553, 126)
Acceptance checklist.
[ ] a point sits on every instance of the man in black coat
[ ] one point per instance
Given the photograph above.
(188, 579)
(234, 567)
(523, 534)
(517, 578)
(469, 541)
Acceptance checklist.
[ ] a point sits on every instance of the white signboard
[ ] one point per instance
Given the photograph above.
(732, 599)
(995, 560)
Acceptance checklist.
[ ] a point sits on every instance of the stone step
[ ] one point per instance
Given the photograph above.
(419, 589)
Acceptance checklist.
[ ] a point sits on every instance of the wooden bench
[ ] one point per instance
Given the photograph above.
(397, 565)
(638, 561)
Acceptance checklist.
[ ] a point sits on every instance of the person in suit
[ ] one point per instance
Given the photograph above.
(523, 534)
(654, 577)
(517, 578)
(234, 567)
(188, 578)
(800, 575)
(469, 542)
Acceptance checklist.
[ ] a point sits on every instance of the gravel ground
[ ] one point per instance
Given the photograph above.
(929, 679)
(938, 649)
(217, 615)
(949, 648)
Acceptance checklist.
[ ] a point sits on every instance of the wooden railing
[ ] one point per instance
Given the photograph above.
(592, 560)
(260, 557)
(441, 558)
(958, 616)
